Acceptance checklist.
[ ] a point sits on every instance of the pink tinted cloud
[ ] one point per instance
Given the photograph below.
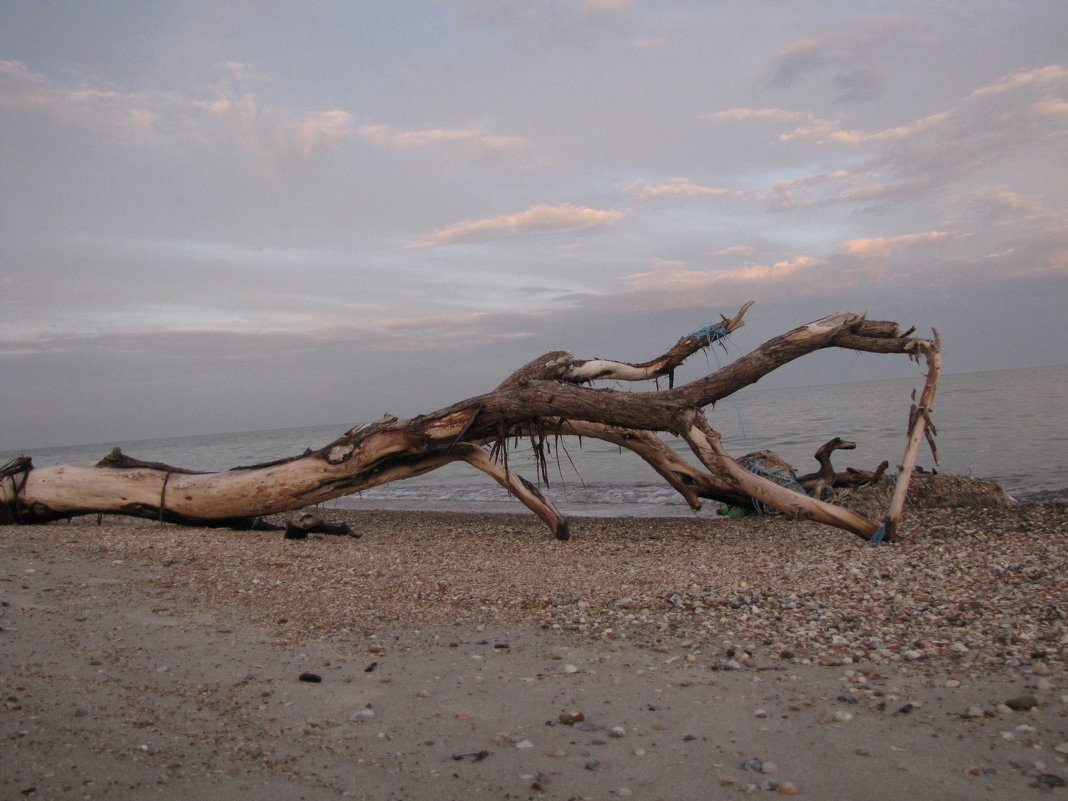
(1009, 118)
(323, 130)
(734, 250)
(431, 321)
(763, 115)
(1004, 207)
(27, 92)
(477, 139)
(880, 247)
(1009, 114)
(221, 114)
(539, 219)
(676, 187)
(826, 131)
(674, 286)
(552, 14)
(443, 330)
(1049, 77)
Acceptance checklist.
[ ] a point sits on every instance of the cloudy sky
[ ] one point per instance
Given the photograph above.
(242, 215)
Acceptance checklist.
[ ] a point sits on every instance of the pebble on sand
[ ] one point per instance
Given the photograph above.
(1050, 780)
(1021, 703)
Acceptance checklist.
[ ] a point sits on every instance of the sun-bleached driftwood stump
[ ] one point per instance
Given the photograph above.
(546, 398)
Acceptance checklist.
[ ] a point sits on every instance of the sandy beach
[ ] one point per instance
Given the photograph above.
(453, 656)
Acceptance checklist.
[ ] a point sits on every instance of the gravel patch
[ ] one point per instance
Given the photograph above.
(965, 590)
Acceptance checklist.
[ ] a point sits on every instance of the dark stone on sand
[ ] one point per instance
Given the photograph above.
(1050, 780)
(1021, 703)
(314, 678)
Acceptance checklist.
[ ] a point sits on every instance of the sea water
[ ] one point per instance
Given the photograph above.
(1009, 425)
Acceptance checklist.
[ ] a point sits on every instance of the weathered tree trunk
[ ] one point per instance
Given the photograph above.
(546, 397)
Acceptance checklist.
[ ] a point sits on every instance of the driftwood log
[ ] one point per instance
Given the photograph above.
(544, 399)
(826, 478)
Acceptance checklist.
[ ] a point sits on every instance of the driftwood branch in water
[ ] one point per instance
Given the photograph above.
(826, 478)
(546, 397)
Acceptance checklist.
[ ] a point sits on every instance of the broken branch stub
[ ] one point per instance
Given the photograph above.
(920, 428)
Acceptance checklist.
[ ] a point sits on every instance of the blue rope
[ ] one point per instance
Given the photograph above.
(730, 398)
(777, 474)
(908, 498)
(714, 333)
(878, 536)
(710, 333)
